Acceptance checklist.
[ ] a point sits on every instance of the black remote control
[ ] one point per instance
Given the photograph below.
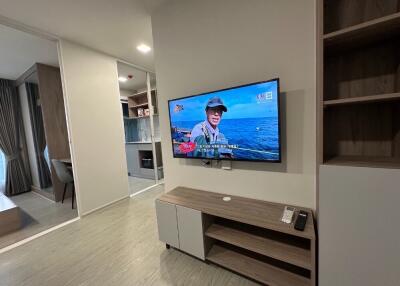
(301, 220)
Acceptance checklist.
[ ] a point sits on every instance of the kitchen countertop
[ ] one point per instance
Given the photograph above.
(141, 142)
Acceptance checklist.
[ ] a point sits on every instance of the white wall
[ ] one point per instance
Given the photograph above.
(212, 44)
(30, 145)
(95, 126)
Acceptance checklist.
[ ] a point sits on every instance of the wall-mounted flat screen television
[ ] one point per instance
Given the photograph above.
(239, 123)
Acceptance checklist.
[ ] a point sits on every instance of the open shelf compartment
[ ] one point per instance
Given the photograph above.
(267, 256)
(363, 135)
(254, 268)
(340, 15)
(287, 248)
(371, 71)
(140, 101)
(383, 28)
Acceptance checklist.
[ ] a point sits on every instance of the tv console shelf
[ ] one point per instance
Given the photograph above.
(243, 235)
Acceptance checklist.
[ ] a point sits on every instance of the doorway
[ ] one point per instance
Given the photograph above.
(33, 136)
(139, 103)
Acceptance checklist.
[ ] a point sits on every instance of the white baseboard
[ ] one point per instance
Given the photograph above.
(105, 205)
(145, 189)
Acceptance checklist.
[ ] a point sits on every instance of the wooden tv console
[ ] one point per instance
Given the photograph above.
(242, 235)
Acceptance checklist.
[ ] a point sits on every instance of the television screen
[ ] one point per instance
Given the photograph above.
(240, 123)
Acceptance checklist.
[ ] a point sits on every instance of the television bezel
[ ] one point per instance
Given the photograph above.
(279, 160)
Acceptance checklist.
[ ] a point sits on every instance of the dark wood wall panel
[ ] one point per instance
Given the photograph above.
(398, 72)
(396, 132)
(368, 71)
(340, 14)
(52, 101)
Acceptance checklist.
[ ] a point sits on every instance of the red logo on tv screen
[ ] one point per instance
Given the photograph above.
(187, 147)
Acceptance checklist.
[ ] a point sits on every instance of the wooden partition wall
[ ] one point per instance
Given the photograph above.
(55, 125)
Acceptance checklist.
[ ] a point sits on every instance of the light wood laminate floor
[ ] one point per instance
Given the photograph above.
(115, 246)
(37, 214)
(137, 184)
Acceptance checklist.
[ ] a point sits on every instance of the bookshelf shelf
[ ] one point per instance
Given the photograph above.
(364, 33)
(363, 99)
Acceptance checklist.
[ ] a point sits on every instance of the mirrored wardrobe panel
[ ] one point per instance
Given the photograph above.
(138, 96)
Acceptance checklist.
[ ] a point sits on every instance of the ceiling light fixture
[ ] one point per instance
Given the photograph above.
(122, 79)
(143, 48)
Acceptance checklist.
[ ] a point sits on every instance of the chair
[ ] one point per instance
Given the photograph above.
(65, 176)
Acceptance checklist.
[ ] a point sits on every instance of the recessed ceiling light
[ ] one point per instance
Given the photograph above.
(143, 48)
(122, 79)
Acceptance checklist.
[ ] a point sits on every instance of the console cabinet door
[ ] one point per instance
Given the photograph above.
(190, 226)
(167, 223)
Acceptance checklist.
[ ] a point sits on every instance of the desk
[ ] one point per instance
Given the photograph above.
(66, 161)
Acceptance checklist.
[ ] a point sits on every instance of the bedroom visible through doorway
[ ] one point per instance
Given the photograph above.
(36, 174)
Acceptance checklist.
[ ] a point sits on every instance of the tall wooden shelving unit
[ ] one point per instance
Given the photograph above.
(140, 100)
(359, 82)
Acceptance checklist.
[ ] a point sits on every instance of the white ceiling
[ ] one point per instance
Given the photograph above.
(115, 27)
(138, 80)
(19, 51)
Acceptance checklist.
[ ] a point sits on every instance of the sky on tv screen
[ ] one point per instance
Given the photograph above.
(241, 102)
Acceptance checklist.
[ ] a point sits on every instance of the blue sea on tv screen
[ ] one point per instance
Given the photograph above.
(258, 134)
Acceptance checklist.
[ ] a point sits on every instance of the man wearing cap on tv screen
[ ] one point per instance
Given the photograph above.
(210, 142)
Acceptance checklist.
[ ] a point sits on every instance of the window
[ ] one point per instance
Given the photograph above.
(2, 169)
(46, 157)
